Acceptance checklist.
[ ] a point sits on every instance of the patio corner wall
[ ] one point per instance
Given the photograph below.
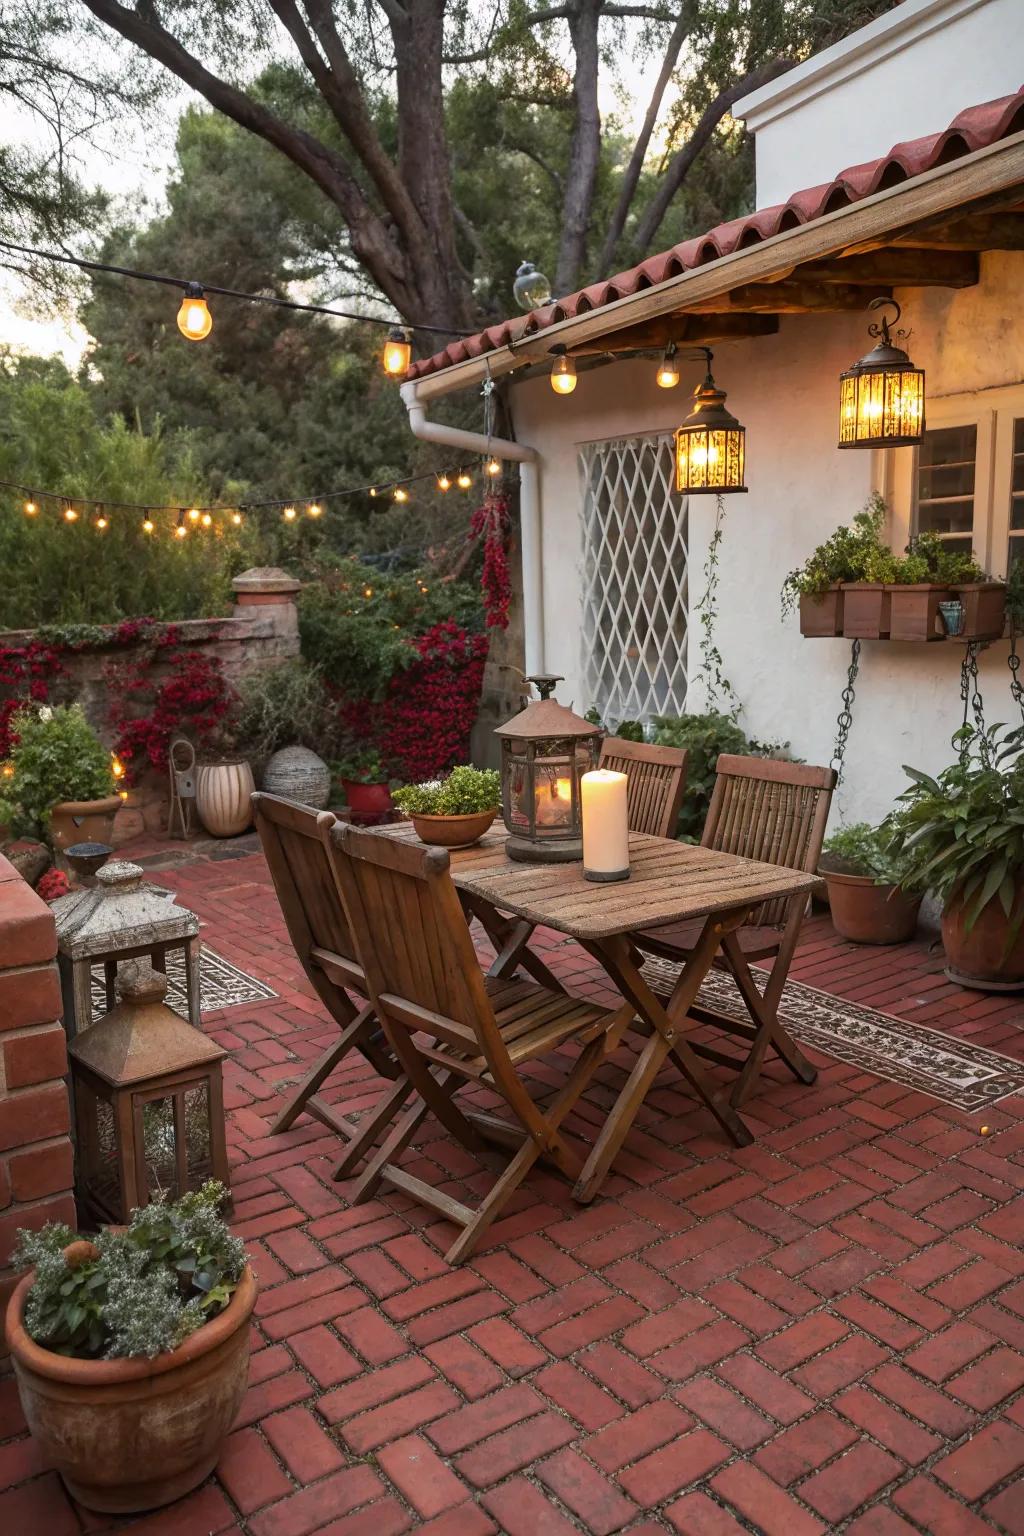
(36, 1159)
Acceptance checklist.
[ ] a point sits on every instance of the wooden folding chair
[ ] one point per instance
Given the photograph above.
(426, 982)
(294, 842)
(775, 812)
(656, 778)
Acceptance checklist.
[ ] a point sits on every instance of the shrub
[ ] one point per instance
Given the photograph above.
(56, 755)
(704, 737)
(849, 554)
(286, 706)
(466, 790)
(146, 1289)
(194, 699)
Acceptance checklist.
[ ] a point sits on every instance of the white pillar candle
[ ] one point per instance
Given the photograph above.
(605, 825)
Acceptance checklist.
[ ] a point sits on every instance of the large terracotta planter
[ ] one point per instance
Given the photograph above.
(83, 821)
(984, 604)
(821, 615)
(223, 792)
(867, 913)
(452, 831)
(914, 612)
(866, 610)
(367, 799)
(128, 1435)
(984, 955)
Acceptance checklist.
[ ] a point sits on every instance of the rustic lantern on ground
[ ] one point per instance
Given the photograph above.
(545, 750)
(881, 398)
(710, 444)
(119, 917)
(149, 1103)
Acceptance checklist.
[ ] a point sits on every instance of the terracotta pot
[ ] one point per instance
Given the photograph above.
(867, 913)
(822, 615)
(223, 792)
(914, 611)
(983, 955)
(367, 799)
(866, 610)
(452, 831)
(984, 610)
(83, 821)
(128, 1435)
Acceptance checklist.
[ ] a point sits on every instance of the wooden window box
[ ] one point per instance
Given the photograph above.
(821, 615)
(984, 610)
(914, 612)
(866, 610)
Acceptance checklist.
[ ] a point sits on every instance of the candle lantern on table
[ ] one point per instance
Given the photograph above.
(545, 751)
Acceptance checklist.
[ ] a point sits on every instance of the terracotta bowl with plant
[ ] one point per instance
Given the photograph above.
(454, 812)
(131, 1352)
(866, 898)
(60, 780)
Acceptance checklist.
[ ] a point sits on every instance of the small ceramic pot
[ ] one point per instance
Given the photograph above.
(223, 792)
(134, 1434)
(868, 913)
(83, 821)
(366, 799)
(452, 831)
(952, 614)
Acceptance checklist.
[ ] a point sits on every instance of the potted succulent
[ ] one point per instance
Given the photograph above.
(868, 903)
(364, 781)
(961, 834)
(131, 1351)
(848, 555)
(60, 779)
(453, 812)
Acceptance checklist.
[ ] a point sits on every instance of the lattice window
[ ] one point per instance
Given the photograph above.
(635, 589)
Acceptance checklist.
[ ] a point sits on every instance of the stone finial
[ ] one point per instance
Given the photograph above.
(264, 584)
(119, 877)
(140, 982)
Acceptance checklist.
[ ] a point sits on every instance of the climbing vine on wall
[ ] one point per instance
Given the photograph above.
(718, 689)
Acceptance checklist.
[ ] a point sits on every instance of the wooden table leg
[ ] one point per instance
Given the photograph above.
(511, 940)
(770, 1031)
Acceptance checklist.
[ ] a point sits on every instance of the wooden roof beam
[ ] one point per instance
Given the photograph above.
(788, 296)
(685, 330)
(890, 267)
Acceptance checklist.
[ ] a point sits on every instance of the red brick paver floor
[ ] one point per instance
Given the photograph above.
(822, 1332)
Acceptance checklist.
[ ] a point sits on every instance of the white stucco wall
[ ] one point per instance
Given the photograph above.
(784, 389)
(905, 75)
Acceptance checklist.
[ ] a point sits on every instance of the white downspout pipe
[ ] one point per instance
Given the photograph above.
(529, 511)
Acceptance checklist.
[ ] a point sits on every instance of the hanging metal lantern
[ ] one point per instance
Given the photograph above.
(881, 398)
(710, 444)
(545, 751)
(531, 289)
(397, 352)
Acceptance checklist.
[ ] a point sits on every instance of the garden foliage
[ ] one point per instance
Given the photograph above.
(465, 790)
(55, 755)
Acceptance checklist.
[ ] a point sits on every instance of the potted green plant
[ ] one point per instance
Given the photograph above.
(844, 557)
(865, 894)
(924, 580)
(131, 1351)
(452, 812)
(961, 835)
(59, 778)
(364, 782)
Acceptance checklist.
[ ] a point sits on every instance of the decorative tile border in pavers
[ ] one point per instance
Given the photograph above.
(221, 985)
(967, 1076)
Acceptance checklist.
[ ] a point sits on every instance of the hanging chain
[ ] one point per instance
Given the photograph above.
(845, 717)
(1013, 662)
(970, 697)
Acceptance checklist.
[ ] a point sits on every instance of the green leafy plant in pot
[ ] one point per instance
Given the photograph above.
(864, 879)
(364, 781)
(453, 812)
(59, 782)
(961, 835)
(131, 1351)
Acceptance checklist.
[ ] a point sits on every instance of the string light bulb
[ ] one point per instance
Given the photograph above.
(194, 319)
(563, 371)
(236, 518)
(314, 509)
(493, 467)
(397, 353)
(206, 519)
(464, 480)
(373, 490)
(30, 508)
(400, 493)
(443, 483)
(193, 514)
(102, 520)
(667, 376)
(70, 513)
(289, 514)
(147, 524)
(367, 591)
(181, 527)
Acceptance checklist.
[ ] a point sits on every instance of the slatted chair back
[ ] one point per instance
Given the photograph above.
(409, 925)
(293, 841)
(656, 780)
(775, 812)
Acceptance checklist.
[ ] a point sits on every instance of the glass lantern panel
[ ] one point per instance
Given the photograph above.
(553, 796)
(159, 1144)
(197, 1134)
(103, 1176)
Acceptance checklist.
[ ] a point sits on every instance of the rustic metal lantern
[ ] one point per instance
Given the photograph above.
(881, 398)
(710, 444)
(117, 918)
(149, 1102)
(545, 751)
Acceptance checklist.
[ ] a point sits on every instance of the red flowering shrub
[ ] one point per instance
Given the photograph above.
(422, 727)
(491, 523)
(53, 885)
(25, 674)
(194, 700)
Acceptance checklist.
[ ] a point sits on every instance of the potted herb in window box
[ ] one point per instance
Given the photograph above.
(983, 604)
(961, 835)
(131, 1352)
(364, 781)
(453, 812)
(863, 878)
(62, 780)
(820, 584)
(922, 581)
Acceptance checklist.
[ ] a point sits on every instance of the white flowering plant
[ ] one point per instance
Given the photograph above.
(465, 792)
(149, 1285)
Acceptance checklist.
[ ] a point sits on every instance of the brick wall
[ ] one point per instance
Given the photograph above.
(36, 1160)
